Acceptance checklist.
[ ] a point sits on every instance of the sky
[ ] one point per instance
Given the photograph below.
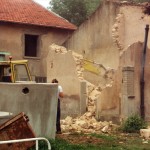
(44, 3)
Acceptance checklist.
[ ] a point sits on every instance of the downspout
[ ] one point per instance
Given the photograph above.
(142, 82)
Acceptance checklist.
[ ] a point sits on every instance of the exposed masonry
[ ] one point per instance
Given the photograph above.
(87, 122)
(117, 30)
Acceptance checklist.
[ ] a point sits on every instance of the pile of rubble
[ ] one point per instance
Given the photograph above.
(87, 122)
(58, 49)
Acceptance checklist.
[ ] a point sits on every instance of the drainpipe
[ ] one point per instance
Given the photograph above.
(142, 83)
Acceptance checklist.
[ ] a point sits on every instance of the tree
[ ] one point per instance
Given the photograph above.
(75, 11)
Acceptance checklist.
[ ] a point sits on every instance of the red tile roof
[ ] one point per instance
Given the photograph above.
(31, 13)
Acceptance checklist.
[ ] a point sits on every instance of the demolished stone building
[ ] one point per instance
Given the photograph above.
(110, 45)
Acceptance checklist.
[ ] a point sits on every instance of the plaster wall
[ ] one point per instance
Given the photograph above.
(93, 39)
(109, 102)
(127, 31)
(134, 25)
(132, 57)
(63, 68)
(12, 40)
(40, 104)
(114, 30)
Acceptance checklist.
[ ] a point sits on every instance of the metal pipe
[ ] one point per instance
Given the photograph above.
(142, 82)
(26, 140)
(37, 144)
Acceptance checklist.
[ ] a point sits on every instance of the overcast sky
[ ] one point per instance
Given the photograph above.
(44, 3)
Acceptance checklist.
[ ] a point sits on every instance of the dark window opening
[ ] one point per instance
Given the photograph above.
(31, 42)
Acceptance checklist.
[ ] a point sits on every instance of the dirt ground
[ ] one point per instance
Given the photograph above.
(75, 138)
(79, 139)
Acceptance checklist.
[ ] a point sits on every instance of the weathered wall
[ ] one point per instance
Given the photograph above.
(12, 40)
(132, 57)
(115, 27)
(108, 103)
(133, 27)
(40, 104)
(93, 39)
(127, 31)
(62, 66)
(130, 28)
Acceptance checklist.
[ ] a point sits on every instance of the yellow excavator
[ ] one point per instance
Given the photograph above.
(14, 71)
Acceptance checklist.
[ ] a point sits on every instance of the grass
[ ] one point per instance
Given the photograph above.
(110, 142)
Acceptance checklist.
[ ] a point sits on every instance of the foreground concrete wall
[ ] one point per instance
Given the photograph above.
(39, 104)
(12, 40)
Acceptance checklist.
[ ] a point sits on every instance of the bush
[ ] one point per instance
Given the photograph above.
(133, 124)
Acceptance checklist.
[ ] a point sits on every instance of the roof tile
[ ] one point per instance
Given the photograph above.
(29, 12)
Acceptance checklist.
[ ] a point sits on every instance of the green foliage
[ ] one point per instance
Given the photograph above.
(108, 142)
(60, 144)
(75, 11)
(133, 124)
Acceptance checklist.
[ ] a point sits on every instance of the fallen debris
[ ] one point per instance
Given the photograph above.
(145, 133)
(87, 122)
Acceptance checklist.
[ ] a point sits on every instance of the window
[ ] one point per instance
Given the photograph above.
(21, 73)
(31, 45)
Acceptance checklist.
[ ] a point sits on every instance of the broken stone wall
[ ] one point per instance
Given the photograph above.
(131, 69)
(131, 48)
(93, 39)
(103, 38)
(130, 25)
(65, 67)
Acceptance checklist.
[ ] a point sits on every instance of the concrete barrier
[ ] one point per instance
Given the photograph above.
(37, 100)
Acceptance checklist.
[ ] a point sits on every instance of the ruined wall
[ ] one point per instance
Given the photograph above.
(39, 104)
(12, 40)
(108, 36)
(108, 103)
(61, 65)
(93, 39)
(128, 28)
(130, 63)
(127, 31)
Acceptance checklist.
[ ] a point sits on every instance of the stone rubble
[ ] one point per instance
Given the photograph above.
(78, 59)
(145, 133)
(58, 49)
(87, 122)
